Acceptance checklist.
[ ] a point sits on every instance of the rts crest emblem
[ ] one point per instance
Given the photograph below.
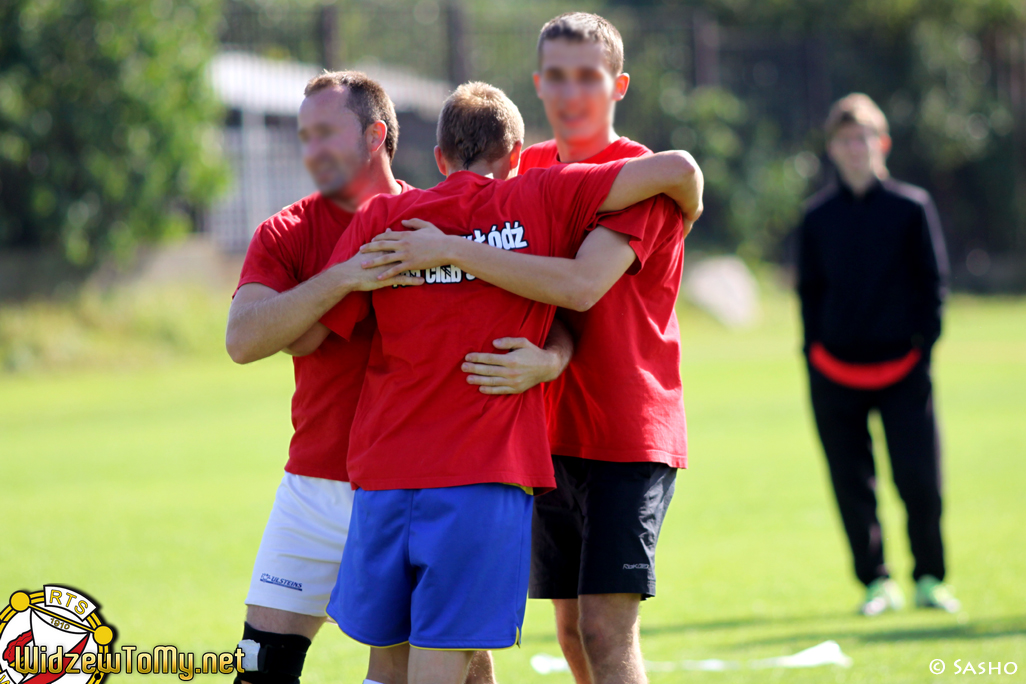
(47, 636)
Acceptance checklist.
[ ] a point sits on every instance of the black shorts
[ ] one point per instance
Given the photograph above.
(597, 532)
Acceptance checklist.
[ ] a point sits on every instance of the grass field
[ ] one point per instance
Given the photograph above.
(149, 489)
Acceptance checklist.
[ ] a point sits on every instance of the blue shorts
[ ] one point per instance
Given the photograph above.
(440, 568)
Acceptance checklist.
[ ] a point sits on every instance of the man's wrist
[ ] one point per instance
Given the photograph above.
(456, 251)
(558, 360)
(341, 283)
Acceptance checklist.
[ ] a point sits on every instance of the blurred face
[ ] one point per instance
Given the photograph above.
(334, 145)
(577, 89)
(858, 151)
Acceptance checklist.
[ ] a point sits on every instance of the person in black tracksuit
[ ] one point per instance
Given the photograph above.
(871, 278)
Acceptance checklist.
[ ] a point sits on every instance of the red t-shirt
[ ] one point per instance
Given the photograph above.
(290, 247)
(620, 399)
(419, 424)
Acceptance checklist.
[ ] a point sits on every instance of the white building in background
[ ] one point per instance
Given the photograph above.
(260, 143)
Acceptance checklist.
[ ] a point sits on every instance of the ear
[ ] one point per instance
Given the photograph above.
(885, 144)
(443, 166)
(537, 84)
(514, 155)
(620, 84)
(375, 136)
(828, 147)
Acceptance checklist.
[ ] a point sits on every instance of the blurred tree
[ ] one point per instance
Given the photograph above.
(949, 74)
(108, 127)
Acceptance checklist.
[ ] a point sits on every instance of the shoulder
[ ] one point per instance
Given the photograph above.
(625, 148)
(820, 202)
(385, 204)
(381, 211)
(540, 154)
(907, 193)
(290, 221)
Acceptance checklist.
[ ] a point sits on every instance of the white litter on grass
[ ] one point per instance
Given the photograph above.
(826, 653)
(724, 287)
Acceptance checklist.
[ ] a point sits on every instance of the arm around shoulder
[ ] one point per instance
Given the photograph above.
(674, 173)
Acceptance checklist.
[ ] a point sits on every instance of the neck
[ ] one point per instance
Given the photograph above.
(376, 179)
(483, 169)
(579, 151)
(498, 169)
(860, 183)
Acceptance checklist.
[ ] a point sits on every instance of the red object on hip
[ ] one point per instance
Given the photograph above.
(864, 376)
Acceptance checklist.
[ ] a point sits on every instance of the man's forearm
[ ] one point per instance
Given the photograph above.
(674, 173)
(264, 327)
(550, 280)
(561, 343)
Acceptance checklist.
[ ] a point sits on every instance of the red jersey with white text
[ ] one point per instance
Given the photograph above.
(621, 399)
(419, 424)
(290, 247)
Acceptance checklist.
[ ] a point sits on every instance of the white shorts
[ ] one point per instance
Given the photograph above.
(297, 563)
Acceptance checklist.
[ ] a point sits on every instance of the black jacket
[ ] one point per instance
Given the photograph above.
(872, 271)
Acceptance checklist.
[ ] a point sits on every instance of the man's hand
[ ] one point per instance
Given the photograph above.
(422, 246)
(514, 372)
(358, 277)
(523, 367)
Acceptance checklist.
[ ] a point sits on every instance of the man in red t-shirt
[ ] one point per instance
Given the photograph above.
(616, 416)
(348, 130)
(439, 548)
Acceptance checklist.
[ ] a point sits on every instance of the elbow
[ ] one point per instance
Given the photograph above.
(578, 304)
(238, 351)
(301, 348)
(582, 299)
(685, 168)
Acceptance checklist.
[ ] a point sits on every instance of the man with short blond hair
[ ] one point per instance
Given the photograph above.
(616, 421)
(871, 278)
(439, 548)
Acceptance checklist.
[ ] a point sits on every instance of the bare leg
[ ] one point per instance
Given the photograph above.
(481, 669)
(609, 625)
(389, 665)
(438, 667)
(568, 631)
(283, 622)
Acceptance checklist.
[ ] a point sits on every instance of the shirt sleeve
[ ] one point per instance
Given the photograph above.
(932, 267)
(355, 306)
(810, 284)
(648, 224)
(271, 258)
(573, 193)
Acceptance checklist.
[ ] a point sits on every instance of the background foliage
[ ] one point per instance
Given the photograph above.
(107, 123)
(108, 129)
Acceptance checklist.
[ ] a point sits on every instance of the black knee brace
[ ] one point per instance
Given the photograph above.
(271, 658)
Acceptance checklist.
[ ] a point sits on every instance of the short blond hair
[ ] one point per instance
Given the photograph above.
(856, 108)
(478, 122)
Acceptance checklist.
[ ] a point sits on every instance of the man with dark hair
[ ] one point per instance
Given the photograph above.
(365, 98)
(439, 548)
(871, 274)
(616, 415)
(349, 134)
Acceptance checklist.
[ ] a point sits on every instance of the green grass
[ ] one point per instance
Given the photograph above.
(149, 488)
